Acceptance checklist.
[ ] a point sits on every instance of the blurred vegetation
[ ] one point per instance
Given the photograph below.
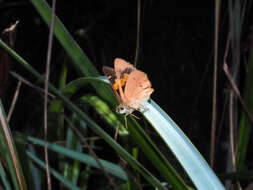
(176, 51)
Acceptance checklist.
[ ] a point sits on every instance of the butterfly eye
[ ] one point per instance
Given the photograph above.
(121, 109)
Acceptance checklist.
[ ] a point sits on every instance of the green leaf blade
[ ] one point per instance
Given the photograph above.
(194, 164)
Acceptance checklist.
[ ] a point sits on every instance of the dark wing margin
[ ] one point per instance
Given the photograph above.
(111, 75)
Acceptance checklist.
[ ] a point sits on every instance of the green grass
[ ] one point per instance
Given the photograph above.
(82, 114)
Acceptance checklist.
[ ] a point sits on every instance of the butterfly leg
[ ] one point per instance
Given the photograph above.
(125, 120)
(117, 131)
(134, 116)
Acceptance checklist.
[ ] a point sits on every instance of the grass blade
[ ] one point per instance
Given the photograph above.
(245, 124)
(84, 158)
(194, 164)
(53, 172)
(120, 150)
(80, 60)
(9, 152)
(4, 179)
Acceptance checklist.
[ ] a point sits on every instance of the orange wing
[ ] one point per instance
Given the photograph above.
(122, 67)
(138, 87)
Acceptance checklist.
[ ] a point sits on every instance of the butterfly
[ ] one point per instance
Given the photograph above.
(131, 86)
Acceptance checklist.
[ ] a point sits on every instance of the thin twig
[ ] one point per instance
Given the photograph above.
(214, 109)
(9, 37)
(231, 127)
(14, 100)
(236, 90)
(138, 32)
(23, 80)
(231, 130)
(49, 51)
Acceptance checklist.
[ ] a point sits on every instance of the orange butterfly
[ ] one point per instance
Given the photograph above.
(130, 85)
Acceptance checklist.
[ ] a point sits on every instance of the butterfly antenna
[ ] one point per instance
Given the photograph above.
(138, 33)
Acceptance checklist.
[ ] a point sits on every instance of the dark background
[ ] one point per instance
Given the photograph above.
(176, 51)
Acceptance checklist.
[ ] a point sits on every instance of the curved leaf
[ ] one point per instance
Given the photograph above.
(194, 164)
(84, 158)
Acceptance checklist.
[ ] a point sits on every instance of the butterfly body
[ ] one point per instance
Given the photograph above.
(130, 85)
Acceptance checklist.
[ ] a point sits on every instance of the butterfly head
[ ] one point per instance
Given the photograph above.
(124, 109)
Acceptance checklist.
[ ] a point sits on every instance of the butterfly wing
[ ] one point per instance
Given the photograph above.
(111, 75)
(138, 88)
(121, 67)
